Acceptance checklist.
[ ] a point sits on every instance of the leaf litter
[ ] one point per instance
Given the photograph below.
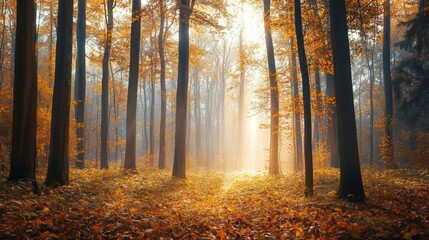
(112, 204)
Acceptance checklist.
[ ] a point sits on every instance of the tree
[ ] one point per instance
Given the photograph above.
(308, 155)
(388, 157)
(297, 112)
(130, 147)
(411, 83)
(105, 88)
(161, 162)
(58, 160)
(274, 125)
(80, 83)
(332, 131)
(179, 165)
(351, 186)
(23, 158)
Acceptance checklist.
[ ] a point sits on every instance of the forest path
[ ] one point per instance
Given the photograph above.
(233, 178)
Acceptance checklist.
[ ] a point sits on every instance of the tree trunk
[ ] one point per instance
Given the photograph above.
(274, 125)
(130, 148)
(80, 84)
(317, 118)
(161, 162)
(145, 138)
(371, 111)
(332, 132)
(23, 158)
(308, 155)
(58, 161)
(297, 112)
(197, 112)
(351, 186)
(388, 113)
(104, 162)
(152, 118)
(179, 166)
(241, 100)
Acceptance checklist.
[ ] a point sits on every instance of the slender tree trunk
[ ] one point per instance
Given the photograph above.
(197, 112)
(351, 186)
(145, 137)
(80, 84)
(317, 118)
(388, 113)
(116, 117)
(274, 126)
(152, 119)
(130, 148)
(332, 131)
(161, 162)
(308, 155)
(241, 100)
(23, 157)
(179, 166)
(297, 111)
(105, 90)
(371, 111)
(58, 161)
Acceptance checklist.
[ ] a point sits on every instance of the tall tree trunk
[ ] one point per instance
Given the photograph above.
(332, 131)
(179, 166)
(152, 118)
(241, 100)
(104, 162)
(116, 118)
(388, 113)
(197, 112)
(58, 161)
(161, 162)
(308, 155)
(274, 125)
(371, 110)
(23, 158)
(317, 118)
(297, 111)
(130, 148)
(351, 186)
(145, 137)
(80, 84)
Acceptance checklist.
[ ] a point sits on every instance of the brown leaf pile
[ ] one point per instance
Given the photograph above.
(149, 205)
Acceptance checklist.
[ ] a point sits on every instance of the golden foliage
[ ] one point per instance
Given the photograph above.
(149, 204)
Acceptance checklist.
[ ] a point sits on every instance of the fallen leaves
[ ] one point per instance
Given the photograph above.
(149, 204)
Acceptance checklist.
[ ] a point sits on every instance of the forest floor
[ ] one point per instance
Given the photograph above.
(112, 204)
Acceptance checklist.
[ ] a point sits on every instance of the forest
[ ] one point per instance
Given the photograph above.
(214, 119)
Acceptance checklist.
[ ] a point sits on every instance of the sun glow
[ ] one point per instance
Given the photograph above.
(252, 22)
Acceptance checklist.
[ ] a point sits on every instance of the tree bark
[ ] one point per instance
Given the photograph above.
(388, 113)
(23, 157)
(241, 99)
(130, 148)
(179, 165)
(351, 186)
(197, 112)
(104, 162)
(274, 125)
(308, 155)
(297, 112)
(332, 131)
(58, 161)
(80, 84)
(161, 162)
